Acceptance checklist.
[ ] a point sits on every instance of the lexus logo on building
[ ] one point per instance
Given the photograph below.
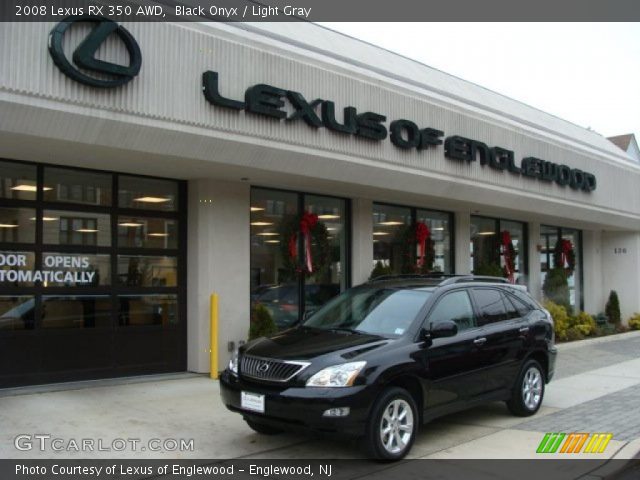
(263, 367)
(84, 57)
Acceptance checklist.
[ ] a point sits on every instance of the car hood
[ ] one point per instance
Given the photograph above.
(307, 343)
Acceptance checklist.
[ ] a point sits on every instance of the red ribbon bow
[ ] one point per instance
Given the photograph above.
(307, 223)
(565, 248)
(506, 251)
(422, 234)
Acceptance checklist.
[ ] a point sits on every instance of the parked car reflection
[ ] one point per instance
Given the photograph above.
(282, 300)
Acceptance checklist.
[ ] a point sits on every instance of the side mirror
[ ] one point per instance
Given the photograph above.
(444, 329)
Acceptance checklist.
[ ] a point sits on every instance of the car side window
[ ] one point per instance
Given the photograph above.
(490, 306)
(512, 310)
(523, 308)
(456, 307)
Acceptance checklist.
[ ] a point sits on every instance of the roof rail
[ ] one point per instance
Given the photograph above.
(408, 276)
(474, 278)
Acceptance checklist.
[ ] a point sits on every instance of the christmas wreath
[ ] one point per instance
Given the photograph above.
(410, 238)
(509, 254)
(564, 256)
(315, 255)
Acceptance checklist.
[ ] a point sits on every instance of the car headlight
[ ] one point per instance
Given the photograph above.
(342, 375)
(233, 363)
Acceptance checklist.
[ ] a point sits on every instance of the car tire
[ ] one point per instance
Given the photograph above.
(528, 391)
(262, 429)
(393, 425)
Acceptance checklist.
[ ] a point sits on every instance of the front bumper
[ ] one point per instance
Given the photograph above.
(299, 408)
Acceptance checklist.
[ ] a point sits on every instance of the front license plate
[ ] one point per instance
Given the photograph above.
(252, 401)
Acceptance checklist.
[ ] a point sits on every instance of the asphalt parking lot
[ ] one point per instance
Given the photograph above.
(597, 389)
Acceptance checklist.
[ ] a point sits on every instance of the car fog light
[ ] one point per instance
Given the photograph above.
(336, 412)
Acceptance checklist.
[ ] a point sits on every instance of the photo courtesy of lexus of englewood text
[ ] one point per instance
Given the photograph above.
(245, 238)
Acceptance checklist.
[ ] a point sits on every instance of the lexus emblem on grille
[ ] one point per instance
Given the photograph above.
(263, 367)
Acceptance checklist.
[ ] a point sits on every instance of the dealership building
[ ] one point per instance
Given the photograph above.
(145, 166)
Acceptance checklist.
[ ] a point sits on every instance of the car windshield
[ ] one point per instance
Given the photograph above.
(386, 312)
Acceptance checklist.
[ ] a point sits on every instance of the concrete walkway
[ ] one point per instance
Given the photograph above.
(188, 407)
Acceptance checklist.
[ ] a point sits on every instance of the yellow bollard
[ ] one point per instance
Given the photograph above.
(214, 336)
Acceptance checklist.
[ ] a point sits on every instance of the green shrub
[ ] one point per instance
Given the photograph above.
(261, 323)
(613, 308)
(569, 327)
(556, 287)
(380, 270)
(634, 321)
(584, 323)
(489, 269)
(561, 320)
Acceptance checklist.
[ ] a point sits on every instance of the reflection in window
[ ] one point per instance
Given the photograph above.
(17, 225)
(490, 305)
(77, 270)
(485, 247)
(147, 193)
(62, 227)
(147, 310)
(17, 312)
(13, 266)
(144, 271)
(17, 181)
(77, 186)
(453, 307)
(136, 232)
(81, 311)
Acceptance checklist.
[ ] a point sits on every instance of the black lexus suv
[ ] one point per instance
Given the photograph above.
(382, 358)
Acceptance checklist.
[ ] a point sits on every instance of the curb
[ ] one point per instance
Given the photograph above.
(595, 341)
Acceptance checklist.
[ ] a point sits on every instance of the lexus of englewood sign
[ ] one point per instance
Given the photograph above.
(269, 101)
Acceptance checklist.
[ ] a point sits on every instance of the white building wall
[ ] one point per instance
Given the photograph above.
(218, 261)
(594, 288)
(621, 270)
(362, 240)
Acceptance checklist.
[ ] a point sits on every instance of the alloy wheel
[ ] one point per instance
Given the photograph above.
(532, 388)
(396, 426)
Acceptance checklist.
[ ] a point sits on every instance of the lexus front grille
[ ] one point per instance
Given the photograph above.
(270, 370)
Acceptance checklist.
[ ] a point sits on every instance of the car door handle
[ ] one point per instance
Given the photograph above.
(524, 329)
(480, 341)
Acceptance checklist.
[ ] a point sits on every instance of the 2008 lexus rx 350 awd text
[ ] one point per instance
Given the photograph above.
(385, 357)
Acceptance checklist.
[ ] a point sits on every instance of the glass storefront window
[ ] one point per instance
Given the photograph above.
(136, 310)
(17, 312)
(516, 233)
(13, 266)
(18, 181)
(145, 271)
(490, 248)
(439, 225)
(553, 274)
(78, 311)
(17, 225)
(279, 252)
(63, 227)
(397, 247)
(147, 193)
(484, 247)
(388, 224)
(139, 232)
(77, 269)
(77, 186)
(330, 279)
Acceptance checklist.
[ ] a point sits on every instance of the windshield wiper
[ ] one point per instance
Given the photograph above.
(347, 329)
